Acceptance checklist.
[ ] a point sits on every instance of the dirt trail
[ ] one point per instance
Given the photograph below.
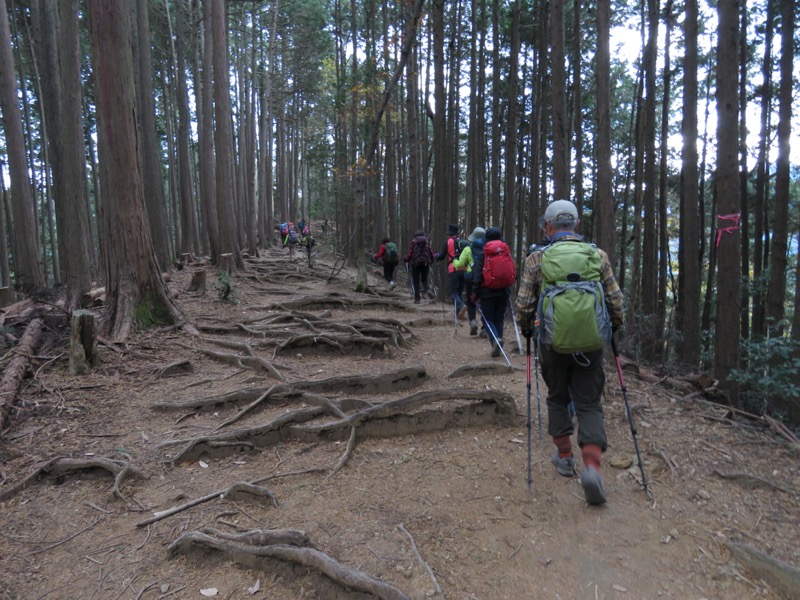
(460, 493)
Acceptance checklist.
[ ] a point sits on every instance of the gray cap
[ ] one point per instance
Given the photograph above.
(476, 234)
(560, 211)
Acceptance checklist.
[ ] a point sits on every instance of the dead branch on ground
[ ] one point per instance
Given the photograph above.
(244, 553)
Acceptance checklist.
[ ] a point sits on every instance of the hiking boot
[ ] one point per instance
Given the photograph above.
(416, 300)
(496, 349)
(462, 313)
(391, 285)
(484, 334)
(592, 486)
(565, 466)
(473, 327)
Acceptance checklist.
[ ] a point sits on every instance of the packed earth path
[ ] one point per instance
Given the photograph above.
(314, 442)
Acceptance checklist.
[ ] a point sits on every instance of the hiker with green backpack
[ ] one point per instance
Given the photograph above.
(570, 299)
(390, 256)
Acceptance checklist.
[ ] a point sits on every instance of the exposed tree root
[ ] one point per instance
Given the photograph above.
(393, 418)
(249, 555)
(488, 368)
(364, 384)
(255, 363)
(783, 578)
(243, 439)
(752, 479)
(60, 466)
(341, 343)
(238, 491)
(179, 367)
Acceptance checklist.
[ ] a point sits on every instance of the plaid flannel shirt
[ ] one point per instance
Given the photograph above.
(531, 286)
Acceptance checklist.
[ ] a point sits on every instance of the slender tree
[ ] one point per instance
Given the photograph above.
(27, 271)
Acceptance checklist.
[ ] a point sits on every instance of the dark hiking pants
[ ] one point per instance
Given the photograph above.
(578, 378)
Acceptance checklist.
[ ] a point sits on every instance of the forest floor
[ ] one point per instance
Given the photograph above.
(429, 496)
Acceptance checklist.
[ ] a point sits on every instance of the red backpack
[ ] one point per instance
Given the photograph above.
(498, 266)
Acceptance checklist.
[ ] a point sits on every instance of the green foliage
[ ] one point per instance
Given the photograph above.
(226, 290)
(771, 379)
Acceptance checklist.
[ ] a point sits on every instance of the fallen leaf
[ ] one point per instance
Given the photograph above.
(203, 465)
(255, 587)
(208, 592)
(619, 588)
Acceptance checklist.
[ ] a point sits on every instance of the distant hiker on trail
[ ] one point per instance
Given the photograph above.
(419, 258)
(570, 298)
(389, 255)
(292, 239)
(493, 275)
(451, 250)
(467, 259)
(308, 242)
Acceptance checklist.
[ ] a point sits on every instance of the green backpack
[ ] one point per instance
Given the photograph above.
(392, 256)
(572, 308)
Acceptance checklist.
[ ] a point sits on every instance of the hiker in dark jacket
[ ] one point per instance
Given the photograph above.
(419, 258)
(388, 264)
(576, 378)
(455, 275)
(493, 302)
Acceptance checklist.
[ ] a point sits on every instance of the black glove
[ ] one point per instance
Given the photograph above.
(527, 333)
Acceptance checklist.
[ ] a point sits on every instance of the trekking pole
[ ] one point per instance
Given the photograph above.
(410, 281)
(455, 316)
(529, 412)
(536, 372)
(494, 336)
(516, 329)
(630, 416)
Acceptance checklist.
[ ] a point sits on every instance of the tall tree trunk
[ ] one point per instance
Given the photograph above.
(688, 305)
(208, 182)
(27, 271)
(223, 137)
(604, 196)
(190, 236)
(135, 290)
(726, 357)
(561, 187)
(759, 321)
(149, 146)
(776, 292)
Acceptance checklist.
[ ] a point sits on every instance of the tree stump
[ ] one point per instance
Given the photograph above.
(82, 342)
(226, 263)
(198, 282)
(187, 258)
(7, 296)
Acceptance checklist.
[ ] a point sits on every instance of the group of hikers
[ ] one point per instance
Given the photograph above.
(297, 235)
(568, 302)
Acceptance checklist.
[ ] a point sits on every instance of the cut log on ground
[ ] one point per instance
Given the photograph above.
(17, 368)
(249, 555)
